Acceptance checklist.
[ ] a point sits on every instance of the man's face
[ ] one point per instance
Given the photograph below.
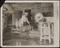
(26, 13)
(38, 17)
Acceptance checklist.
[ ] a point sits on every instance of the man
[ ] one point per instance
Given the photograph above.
(23, 20)
(18, 17)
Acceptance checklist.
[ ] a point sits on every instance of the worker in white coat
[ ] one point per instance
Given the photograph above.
(23, 20)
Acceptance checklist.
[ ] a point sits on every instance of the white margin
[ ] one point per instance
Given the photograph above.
(1, 27)
(27, 1)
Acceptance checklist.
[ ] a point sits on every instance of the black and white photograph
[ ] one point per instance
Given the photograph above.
(30, 23)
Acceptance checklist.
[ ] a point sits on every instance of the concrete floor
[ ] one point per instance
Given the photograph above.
(23, 39)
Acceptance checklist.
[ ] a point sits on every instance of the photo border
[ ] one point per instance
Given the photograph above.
(28, 2)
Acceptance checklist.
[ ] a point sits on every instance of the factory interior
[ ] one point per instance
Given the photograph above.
(34, 30)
